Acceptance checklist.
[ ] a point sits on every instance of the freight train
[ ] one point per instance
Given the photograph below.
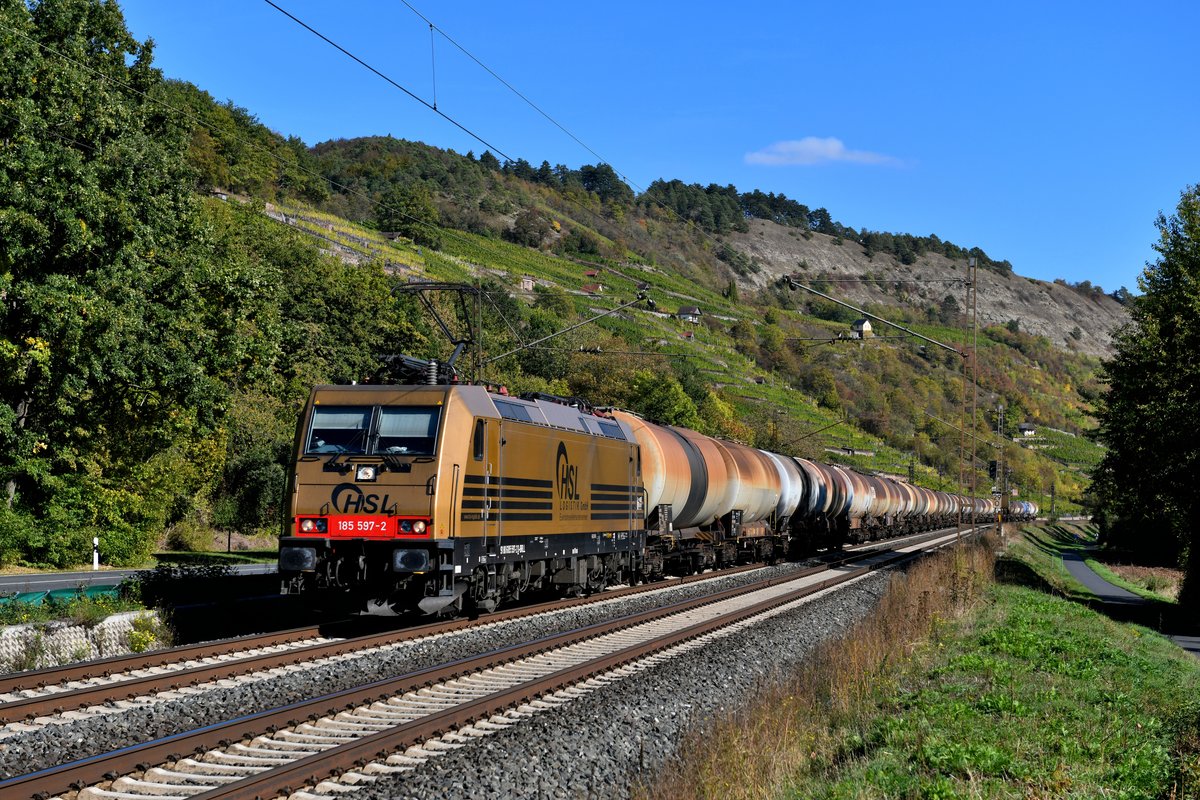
(444, 498)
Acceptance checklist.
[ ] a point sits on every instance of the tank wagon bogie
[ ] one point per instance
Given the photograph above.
(440, 498)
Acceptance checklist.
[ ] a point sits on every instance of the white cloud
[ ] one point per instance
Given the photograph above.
(814, 150)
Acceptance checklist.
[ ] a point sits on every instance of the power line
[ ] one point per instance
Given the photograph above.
(832, 279)
(431, 106)
(450, 232)
(797, 285)
(704, 234)
(515, 91)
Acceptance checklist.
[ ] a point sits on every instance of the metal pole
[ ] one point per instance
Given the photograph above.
(962, 438)
(1003, 504)
(975, 380)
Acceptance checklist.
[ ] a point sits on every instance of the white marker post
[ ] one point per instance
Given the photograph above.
(95, 553)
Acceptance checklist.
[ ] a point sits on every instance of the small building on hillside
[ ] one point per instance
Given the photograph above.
(690, 314)
(527, 283)
(862, 328)
(1027, 429)
(591, 273)
(593, 288)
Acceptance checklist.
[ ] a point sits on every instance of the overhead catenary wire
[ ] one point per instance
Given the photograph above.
(433, 64)
(515, 91)
(184, 114)
(431, 106)
(793, 283)
(704, 234)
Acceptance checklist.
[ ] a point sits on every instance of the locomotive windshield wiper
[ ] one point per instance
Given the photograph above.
(335, 464)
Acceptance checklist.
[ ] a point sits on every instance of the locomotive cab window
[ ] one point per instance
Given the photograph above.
(407, 430)
(339, 429)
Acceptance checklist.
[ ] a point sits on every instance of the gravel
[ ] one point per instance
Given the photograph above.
(594, 746)
(604, 743)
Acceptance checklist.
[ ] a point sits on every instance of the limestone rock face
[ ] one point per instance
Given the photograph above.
(1040, 308)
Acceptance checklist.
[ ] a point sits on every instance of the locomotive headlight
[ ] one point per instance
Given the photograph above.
(410, 560)
(366, 472)
(406, 526)
(313, 525)
(419, 526)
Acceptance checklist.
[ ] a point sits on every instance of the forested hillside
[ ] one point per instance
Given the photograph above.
(175, 277)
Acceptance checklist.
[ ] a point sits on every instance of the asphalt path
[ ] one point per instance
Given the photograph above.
(1115, 595)
(48, 581)
(1106, 591)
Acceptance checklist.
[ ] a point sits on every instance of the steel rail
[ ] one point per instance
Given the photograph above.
(282, 781)
(83, 697)
(60, 702)
(73, 775)
(310, 770)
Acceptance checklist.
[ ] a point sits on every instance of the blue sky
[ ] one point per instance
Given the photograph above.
(1050, 134)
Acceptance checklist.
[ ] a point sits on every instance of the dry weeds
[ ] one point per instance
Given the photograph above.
(790, 728)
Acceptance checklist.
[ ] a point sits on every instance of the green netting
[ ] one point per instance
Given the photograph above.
(28, 598)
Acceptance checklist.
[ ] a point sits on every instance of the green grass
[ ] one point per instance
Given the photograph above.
(1104, 572)
(80, 609)
(957, 686)
(210, 557)
(1033, 696)
(1074, 451)
(1041, 548)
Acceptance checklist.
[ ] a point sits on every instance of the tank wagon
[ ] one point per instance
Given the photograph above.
(443, 497)
(1022, 511)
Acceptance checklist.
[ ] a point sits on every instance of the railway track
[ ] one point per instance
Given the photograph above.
(31, 699)
(104, 685)
(390, 725)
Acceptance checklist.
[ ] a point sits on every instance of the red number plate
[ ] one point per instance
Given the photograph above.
(362, 526)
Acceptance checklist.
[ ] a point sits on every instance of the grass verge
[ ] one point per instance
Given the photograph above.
(80, 609)
(960, 687)
(214, 557)
(1147, 582)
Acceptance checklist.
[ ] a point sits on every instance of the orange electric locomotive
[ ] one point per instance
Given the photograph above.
(432, 497)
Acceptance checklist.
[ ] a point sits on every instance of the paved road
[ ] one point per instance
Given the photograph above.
(47, 581)
(1115, 595)
(1107, 592)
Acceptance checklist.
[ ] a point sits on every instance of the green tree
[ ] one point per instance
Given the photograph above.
(556, 300)
(529, 228)
(731, 292)
(662, 399)
(1145, 484)
(104, 337)
(410, 211)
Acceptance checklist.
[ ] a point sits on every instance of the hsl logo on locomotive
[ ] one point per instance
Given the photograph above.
(567, 476)
(347, 498)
